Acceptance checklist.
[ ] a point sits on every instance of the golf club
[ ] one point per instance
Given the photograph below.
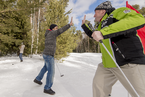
(61, 75)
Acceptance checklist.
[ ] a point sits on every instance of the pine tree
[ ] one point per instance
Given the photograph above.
(15, 24)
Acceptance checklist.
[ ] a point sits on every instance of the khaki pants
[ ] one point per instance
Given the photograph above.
(105, 78)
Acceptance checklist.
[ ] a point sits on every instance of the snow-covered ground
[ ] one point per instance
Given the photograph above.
(16, 78)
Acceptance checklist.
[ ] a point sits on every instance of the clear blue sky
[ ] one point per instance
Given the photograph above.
(86, 7)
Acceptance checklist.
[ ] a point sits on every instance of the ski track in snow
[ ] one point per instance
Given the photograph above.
(16, 78)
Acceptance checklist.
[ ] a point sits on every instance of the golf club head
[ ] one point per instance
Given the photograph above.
(61, 75)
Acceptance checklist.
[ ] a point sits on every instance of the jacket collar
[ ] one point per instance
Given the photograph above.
(104, 17)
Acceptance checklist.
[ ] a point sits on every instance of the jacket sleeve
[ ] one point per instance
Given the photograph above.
(87, 30)
(61, 30)
(128, 21)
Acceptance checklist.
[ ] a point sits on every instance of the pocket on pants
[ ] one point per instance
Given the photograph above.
(127, 66)
(132, 65)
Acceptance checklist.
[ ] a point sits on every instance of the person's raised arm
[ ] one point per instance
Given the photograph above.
(64, 28)
(71, 22)
(83, 21)
(86, 28)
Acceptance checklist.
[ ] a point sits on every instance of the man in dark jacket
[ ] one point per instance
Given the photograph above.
(118, 30)
(48, 55)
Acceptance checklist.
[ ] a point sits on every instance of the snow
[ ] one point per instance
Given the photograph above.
(16, 78)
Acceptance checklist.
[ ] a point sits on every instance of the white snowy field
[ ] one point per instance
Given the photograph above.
(16, 78)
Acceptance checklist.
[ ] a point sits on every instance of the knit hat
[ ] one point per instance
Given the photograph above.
(105, 5)
(52, 26)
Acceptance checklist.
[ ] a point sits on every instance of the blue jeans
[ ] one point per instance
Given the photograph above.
(48, 67)
(20, 56)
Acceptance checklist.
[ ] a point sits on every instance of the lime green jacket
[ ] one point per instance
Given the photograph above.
(120, 27)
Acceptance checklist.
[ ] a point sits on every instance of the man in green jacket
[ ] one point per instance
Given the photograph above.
(118, 30)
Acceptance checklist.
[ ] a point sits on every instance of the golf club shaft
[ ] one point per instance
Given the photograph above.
(59, 70)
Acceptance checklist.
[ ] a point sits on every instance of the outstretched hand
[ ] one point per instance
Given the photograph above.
(83, 21)
(71, 22)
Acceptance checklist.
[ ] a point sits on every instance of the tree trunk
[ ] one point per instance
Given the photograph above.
(38, 30)
(95, 47)
(98, 48)
(32, 29)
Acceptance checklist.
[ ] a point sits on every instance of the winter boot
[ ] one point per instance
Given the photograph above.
(38, 82)
(50, 91)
